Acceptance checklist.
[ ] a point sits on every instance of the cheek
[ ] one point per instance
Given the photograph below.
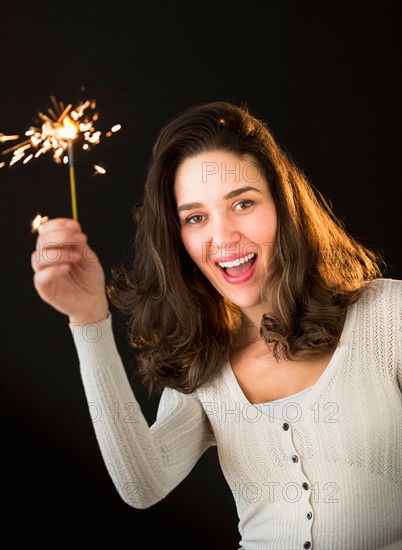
(193, 247)
(268, 226)
(261, 229)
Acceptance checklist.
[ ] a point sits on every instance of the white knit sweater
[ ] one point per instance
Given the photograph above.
(328, 479)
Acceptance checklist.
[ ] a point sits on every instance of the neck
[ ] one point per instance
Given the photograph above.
(248, 332)
(253, 315)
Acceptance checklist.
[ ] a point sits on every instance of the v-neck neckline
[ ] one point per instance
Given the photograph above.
(333, 363)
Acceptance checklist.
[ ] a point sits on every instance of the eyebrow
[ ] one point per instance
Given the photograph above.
(230, 195)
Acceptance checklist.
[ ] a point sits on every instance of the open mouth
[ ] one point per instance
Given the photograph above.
(240, 269)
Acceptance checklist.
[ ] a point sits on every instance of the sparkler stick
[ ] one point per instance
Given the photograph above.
(70, 153)
(69, 132)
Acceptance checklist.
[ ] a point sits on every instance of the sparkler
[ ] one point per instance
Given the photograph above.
(60, 128)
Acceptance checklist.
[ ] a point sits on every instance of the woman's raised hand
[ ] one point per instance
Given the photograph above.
(67, 273)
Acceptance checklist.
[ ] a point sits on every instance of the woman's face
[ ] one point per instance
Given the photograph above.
(228, 224)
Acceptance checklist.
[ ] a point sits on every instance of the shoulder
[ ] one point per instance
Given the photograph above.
(215, 389)
(381, 293)
(378, 310)
(176, 402)
(379, 322)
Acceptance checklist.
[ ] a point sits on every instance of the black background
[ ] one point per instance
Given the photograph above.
(323, 75)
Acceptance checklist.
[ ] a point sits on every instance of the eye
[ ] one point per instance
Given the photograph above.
(195, 218)
(244, 205)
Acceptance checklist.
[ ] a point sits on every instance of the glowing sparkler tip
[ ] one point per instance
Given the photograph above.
(69, 130)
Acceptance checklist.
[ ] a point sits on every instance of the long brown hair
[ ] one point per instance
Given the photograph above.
(180, 325)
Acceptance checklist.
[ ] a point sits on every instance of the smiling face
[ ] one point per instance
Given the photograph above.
(228, 224)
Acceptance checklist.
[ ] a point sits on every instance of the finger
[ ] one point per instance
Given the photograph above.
(57, 224)
(50, 256)
(48, 249)
(60, 237)
(43, 279)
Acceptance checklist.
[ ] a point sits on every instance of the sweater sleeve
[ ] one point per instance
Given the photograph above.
(145, 462)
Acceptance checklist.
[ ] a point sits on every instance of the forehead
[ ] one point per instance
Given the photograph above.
(223, 167)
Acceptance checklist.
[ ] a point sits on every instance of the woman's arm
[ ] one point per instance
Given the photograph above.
(145, 462)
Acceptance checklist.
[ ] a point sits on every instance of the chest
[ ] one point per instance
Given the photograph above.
(262, 378)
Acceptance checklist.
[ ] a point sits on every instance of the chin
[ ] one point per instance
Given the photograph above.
(245, 303)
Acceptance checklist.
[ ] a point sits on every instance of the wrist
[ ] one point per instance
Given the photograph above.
(89, 319)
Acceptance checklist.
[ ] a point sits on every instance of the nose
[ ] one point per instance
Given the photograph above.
(226, 235)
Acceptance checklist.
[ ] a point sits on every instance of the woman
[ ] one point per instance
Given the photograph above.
(270, 331)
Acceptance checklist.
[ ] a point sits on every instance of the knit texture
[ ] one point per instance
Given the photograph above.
(329, 476)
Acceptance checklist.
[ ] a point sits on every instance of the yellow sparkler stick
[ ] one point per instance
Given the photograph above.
(72, 179)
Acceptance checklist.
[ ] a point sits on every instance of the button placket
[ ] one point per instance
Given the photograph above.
(305, 485)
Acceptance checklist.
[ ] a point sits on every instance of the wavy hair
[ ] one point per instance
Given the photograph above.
(180, 325)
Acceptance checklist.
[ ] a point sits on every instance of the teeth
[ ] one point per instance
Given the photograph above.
(237, 262)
